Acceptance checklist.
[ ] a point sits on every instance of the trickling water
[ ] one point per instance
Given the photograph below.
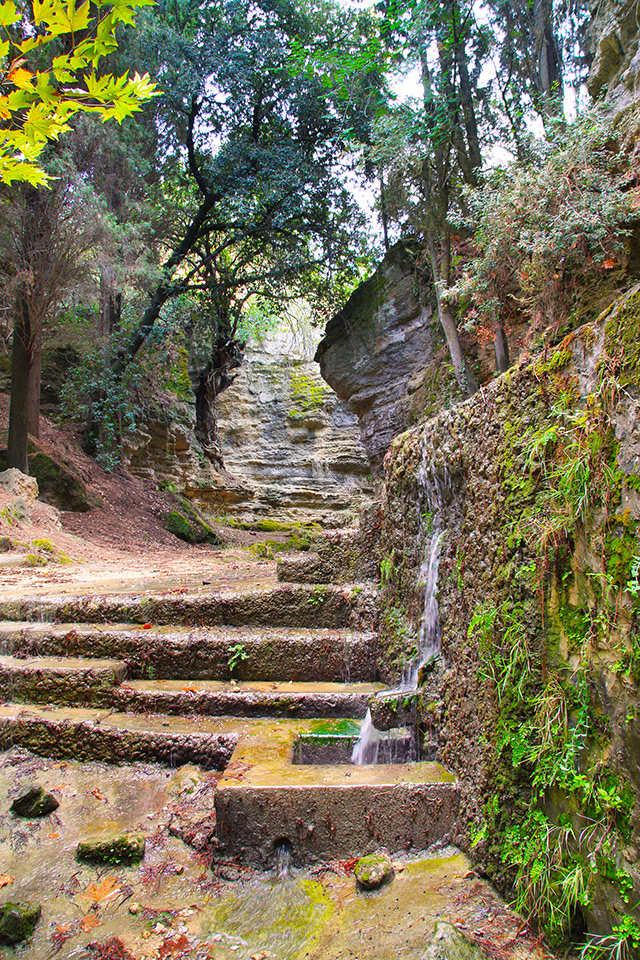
(365, 750)
(283, 859)
(429, 636)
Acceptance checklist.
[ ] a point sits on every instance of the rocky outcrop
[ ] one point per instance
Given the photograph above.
(287, 440)
(534, 487)
(615, 72)
(376, 351)
(286, 446)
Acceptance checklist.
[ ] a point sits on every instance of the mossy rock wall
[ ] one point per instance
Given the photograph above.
(535, 482)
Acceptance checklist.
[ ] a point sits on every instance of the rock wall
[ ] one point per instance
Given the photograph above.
(288, 440)
(289, 450)
(377, 353)
(535, 484)
(615, 72)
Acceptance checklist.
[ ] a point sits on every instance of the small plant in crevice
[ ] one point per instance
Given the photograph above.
(236, 655)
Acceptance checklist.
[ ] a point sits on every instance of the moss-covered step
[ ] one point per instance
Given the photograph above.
(200, 653)
(332, 811)
(83, 734)
(257, 699)
(59, 680)
(286, 605)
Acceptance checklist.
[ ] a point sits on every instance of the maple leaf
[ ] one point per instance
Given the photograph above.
(107, 889)
(5, 880)
(97, 793)
(89, 921)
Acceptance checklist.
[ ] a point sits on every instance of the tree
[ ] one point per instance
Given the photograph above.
(52, 51)
(260, 211)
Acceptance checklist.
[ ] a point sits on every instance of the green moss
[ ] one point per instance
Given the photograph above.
(18, 921)
(188, 525)
(622, 342)
(119, 850)
(307, 392)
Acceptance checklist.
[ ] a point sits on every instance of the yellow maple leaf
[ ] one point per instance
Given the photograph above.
(107, 889)
(5, 879)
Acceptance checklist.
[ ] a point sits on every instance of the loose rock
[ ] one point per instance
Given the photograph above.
(126, 849)
(18, 921)
(448, 943)
(373, 871)
(35, 802)
(19, 484)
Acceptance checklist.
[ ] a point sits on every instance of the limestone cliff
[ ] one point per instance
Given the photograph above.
(615, 72)
(288, 439)
(377, 351)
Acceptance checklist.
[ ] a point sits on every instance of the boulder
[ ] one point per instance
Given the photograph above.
(18, 484)
(373, 871)
(17, 921)
(187, 524)
(34, 802)
(128, 848)
(448, 943)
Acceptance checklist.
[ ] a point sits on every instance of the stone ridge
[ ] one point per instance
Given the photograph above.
(374, 348)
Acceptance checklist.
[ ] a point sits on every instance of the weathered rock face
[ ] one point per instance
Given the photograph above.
(287, 441)
(376, 351)
(616, 66)
(287, 448)
(535, 487)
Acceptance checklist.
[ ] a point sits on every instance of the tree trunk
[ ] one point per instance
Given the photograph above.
(21, 389)
(33, 392)
(501, 347)
(110, 303)
(462, 371)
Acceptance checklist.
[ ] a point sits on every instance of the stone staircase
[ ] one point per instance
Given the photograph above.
(235, 681)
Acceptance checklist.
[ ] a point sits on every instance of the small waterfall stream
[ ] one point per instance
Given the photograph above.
(432, 489)
(365, 750)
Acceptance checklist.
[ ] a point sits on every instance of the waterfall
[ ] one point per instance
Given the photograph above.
(433, 496)
(365, 750)
(429, 636)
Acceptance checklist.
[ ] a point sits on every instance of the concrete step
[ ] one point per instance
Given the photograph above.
(214, 698)
(286, 605)
(59, 680)
(268, 653)
(85, 734)
(264, 800)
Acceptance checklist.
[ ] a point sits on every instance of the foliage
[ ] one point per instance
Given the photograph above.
(549, 235)
(236, 655)
(37, 104)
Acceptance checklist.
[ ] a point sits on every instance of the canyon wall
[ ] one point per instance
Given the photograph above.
(535, 484)
(289, 449)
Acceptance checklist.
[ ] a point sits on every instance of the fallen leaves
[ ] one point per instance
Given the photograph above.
(106, 890)
(174, 948)
(97, 793)
(5, 879)
(89, 922)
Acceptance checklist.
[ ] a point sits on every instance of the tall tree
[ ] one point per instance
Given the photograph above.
(261, 211)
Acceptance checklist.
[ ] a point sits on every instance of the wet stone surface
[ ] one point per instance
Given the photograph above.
(181, 903)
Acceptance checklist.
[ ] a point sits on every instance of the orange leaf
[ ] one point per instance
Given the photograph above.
(107, 889)
(89, 921)
(146, 626)
(610, 264)
(5, 880)
(20, 77)
(190, 690)
(53, 836)
(98, 795)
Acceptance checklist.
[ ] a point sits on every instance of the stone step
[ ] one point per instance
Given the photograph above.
(264, 800)
(85, 734)
(286, 605)
(59, 680)
(214, 698)
(270, 654)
